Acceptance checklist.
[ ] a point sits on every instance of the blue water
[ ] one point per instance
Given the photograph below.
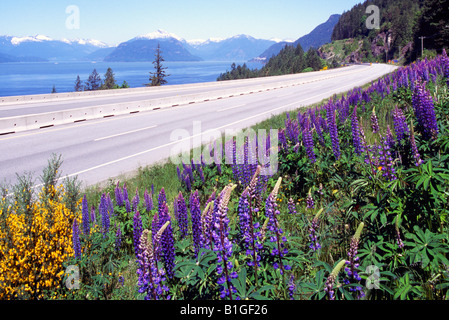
(40, 77)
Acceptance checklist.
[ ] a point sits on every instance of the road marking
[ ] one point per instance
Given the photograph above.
(225, 109)
(124, 133)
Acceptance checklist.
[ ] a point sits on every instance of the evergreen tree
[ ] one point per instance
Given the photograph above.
(109, 80)
(78, 84)
(93, 82)
(313, 59)
(157, 78)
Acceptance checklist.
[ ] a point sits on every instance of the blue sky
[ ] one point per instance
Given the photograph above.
(115, 21)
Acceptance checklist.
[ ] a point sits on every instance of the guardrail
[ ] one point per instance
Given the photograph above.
(43, 120)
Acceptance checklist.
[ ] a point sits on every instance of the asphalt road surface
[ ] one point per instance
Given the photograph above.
(97, 150)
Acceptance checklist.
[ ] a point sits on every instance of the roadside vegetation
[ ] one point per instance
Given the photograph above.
(357, 209)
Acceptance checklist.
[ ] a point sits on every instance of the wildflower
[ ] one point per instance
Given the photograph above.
(195, 214)
(329, 286)
(400, 125)
(148, 200)
(308, 142)
(314, 244)
(223, 245)
(356, 132)
(167, 241)
(118, 238)
(374, 121)
(291, 206)
(425, 113)
(104, 214)
(119, 195)
(136, 200)
(352, 262)
(275, 229)
(333, 131)
(182, 215)
(414, 149)
(309, 201)
(150, 278)
(137, 232)
(85, 216)
(291, 287)
(76, 239)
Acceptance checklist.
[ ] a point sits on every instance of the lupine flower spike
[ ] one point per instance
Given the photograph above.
(314, 244)
(329, 287)
(352, 262)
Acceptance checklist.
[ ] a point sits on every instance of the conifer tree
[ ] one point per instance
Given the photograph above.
(93, 82)
(78, 84)
(109, 80)
(157, 78)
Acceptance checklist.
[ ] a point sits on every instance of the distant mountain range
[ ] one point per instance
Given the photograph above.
(142, 48)
(316, 38)
(42, 48)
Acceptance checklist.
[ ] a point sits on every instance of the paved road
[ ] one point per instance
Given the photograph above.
(97, 150)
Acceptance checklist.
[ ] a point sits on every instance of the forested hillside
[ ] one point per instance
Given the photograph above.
(289, 60)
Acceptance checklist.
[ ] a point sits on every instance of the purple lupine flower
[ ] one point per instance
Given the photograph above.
(136, 200)
(150, 279)
(162, 198)
(374, 121)
(110, 205)
(425, 112)
(385, 160)
(85, 215)
(128, 207)
(119, 195)
(76, 239)
(249, 229)
(329, 286)
(93, 218)
(195, 214)
(400, 125)
(314, 244)
(309, 201)
(356, 133)
(273, 226)
(308, 141)
(333, 131)
(105, 220)
(291, 206)
(148, 200)
(291, 287)
(183, 221)
(168, 243)
(352, 262)
(414, 149)
(118, 238)
(137, 231)
(223, 246)
(125, 192)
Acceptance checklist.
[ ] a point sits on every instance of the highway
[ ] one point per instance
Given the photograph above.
(99, 149)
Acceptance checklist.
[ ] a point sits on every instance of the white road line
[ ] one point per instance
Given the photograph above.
(124, 133)
(225, 109)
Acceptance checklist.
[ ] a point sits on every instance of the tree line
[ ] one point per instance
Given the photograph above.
(291, 59)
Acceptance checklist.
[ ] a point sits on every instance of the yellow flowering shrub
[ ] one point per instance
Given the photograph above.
(34, 243)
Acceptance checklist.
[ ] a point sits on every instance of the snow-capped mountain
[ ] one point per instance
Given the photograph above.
(41, 48)
(237, 48)
(143, 48)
